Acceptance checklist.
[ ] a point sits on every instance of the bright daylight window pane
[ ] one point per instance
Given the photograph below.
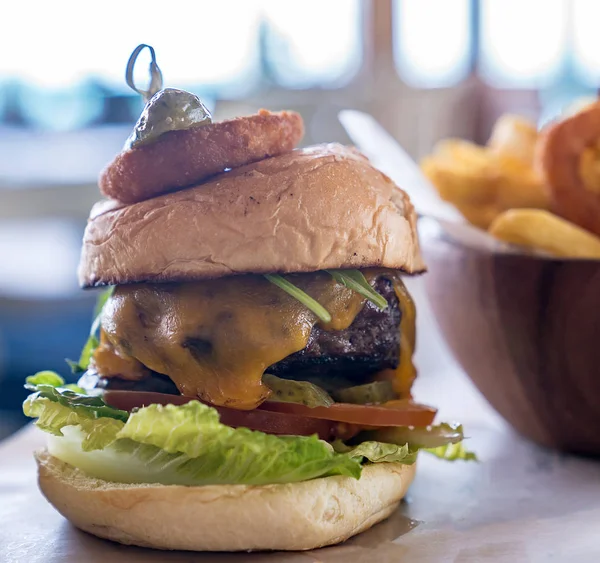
(432, 41)
(313, 42)
(198, 42)
(586, 40)
(522, 41)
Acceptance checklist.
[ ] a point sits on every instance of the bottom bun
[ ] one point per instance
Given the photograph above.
(295, 516)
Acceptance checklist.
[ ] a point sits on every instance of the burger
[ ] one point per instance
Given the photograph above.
(246, 384)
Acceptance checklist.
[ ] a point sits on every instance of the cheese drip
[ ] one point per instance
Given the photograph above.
(216, 338)
(404, 375)
(108, 362)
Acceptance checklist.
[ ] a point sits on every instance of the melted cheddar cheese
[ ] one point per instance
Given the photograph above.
(109, 362)
(404, 375)
(215, 338)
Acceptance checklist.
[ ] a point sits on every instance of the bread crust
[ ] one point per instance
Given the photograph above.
(296, 516)
(189, 156)
(307, 210)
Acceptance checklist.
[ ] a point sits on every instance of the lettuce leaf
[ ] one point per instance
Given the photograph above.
(234, 455)
(46, 377)
(188, 445)
(128, 461)
(122, 461)
(51, 386)
(53, 417)
(178, 445)
(56, 406)
(50, 378)
(377, 452)
(452, 452)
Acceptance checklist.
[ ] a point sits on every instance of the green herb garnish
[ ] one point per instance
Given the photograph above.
(356, 281)
(93, 341)
(301, 296)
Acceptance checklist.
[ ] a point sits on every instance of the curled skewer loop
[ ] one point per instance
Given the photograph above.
(156, 79)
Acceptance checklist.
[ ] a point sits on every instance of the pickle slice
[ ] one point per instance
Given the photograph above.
(419, 437)
(303, 392)
(376, 392)
(168, 110)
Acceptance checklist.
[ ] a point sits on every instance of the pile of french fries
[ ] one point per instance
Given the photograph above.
(497, 187)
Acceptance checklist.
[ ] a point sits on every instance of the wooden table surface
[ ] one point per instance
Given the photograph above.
(520, 503)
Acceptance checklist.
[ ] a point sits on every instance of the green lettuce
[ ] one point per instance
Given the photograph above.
(52, 417)
(452, 452)
(176, 444)
(188, 445)
(377, 452)
(234, 455)
(50, 385)
(44, 378)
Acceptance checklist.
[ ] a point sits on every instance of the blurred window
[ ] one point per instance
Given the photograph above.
(305, 51)
(586, 41)
(63, 69)
(513, 44)
(522, 42)
(432, 41)
(70, 41)
(67, 70)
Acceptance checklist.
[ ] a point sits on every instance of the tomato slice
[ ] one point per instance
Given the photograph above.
(404, 413)
(293, 418)
(262, 420)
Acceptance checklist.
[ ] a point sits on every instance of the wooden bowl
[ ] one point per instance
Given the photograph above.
(526, 330)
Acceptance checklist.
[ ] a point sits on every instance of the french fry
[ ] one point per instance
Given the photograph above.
(542, 230)
(514, 136)
(479, 215)
(500, 187)
(464, 154)
(481, 183)
(457, 184)
(519, 186)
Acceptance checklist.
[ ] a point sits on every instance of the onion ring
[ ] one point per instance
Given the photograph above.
(183, 158)
(568, 157)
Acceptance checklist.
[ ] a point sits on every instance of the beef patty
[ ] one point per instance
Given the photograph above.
(370, 344)
(331, 359)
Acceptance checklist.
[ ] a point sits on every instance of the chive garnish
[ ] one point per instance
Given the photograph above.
(356, 281)
(301, 296)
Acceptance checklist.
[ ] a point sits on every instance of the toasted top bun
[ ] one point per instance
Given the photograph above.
(294, 516)
(307, 210)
